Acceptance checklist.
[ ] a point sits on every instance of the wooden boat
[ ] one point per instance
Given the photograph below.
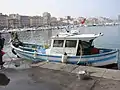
(69, 47)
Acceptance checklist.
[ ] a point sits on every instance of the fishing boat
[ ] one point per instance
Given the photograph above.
(69, 47)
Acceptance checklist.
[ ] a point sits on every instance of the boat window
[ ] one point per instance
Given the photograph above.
(86, 44)
(58, 43)
(70, 43)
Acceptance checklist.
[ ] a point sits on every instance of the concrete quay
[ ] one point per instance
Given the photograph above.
(58, 76)
(94, 71)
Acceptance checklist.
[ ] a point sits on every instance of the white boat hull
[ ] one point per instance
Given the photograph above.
(94, 60)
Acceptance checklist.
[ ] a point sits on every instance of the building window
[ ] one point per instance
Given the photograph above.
(71, 43)
(58, 43)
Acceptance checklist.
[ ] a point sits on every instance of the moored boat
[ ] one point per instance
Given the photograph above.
(69, 47)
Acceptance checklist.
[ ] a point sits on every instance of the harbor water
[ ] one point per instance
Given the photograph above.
(110, 39)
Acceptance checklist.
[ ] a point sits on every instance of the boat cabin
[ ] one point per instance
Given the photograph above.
(72, 44)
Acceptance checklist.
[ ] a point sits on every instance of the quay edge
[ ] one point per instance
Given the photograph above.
(95, 71)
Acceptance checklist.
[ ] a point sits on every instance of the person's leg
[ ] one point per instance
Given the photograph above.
(1, 61)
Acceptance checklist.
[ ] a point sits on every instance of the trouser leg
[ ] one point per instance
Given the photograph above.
(1, 62)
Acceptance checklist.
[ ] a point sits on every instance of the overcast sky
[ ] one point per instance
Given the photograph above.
(60, 8)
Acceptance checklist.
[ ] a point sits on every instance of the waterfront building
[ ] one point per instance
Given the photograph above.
(25, 21)
(76, 21)
(14, 16)
(60, 22)
(46, 18)
(118, 17)
(14, 21)
(3, 21)
(53, 21)
(36, 21)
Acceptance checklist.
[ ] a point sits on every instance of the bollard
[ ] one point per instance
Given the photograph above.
(64, 58)
(83, 75)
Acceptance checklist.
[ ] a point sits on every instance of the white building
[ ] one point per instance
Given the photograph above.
(18, 20)
(25, 21)
(61, 21)
(14, 21)
(46, 18)
(14, 16)
(118, 17)
(3, 21)
(36, 21)
(54, 21)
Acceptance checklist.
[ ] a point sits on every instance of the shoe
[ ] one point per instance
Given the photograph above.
(2, 67)
(2, 63)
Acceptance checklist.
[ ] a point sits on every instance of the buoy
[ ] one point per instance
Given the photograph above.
(64, 58)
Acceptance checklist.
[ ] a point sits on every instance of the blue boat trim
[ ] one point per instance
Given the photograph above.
(106, 52)
(34, 59)
(85, 56)
(73, 62)
(42, 54)
(91, 61)
(92, 56)
(102, 60)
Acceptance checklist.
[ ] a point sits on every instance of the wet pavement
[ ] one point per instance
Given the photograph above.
(38, 78)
